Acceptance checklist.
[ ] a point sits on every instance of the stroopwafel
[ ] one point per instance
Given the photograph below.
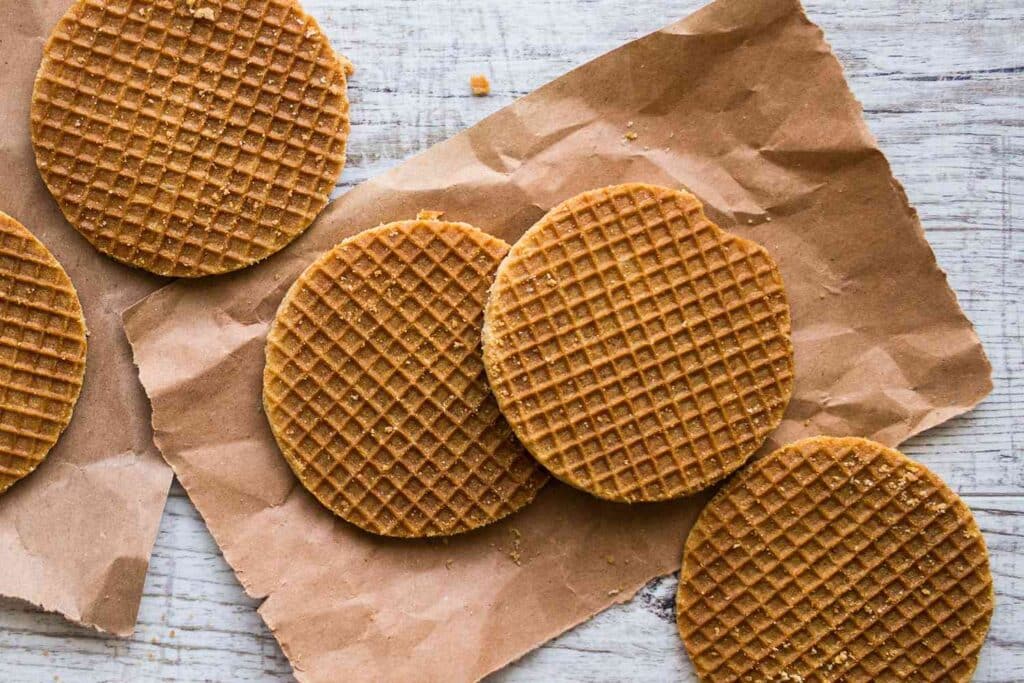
(42, 351)
(639, 352)
(835, 559)
(189, 137)
(375, 389)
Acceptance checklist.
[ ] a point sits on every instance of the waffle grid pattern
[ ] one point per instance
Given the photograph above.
(42, 351)
(835, 560)
(375, 388)
(187, 145)
(638, 351)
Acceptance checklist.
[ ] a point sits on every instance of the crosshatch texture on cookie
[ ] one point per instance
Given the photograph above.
(639, 352)
(375, 387)
(42, 351)
(189, 143)
(835, 559)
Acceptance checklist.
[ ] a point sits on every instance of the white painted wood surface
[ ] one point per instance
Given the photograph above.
(942, 83)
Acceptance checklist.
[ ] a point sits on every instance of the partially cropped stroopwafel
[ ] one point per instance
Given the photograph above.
(189, 137)
(638, 351)
(42, 351)
(835, 560)
(376, 391)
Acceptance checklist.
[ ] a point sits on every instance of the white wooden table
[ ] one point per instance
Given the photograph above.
(942, 83)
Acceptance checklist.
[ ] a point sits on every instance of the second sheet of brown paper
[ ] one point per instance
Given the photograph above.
(744, 104)
(76, 534)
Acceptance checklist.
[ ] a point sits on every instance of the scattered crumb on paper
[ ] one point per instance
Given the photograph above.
(516, 553)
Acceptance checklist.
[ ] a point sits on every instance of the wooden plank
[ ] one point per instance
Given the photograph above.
(941, 84)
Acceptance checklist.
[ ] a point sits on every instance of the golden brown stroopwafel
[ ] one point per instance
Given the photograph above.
(42, 351)
(835, 559)
(375, 388)
(638, 351)
(189, 137)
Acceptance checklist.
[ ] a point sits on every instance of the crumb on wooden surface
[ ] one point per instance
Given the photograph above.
(480, 86)
(428, 215)
(631, 135)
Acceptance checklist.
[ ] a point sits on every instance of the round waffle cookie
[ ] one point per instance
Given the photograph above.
(189, 137)
(42, 351)
(638, 351)
(375, 389)
(835, 560)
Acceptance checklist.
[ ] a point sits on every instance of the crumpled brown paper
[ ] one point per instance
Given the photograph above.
(76, 534)
(744, 104)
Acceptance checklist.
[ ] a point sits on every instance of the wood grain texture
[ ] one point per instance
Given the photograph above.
(941, 82)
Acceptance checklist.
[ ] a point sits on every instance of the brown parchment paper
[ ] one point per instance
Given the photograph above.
(76, 534)
(744, 104)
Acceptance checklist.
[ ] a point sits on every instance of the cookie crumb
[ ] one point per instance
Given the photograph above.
(631, 135)
(480, 86)
(516, 552)
(206, 13)
(427, 215)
